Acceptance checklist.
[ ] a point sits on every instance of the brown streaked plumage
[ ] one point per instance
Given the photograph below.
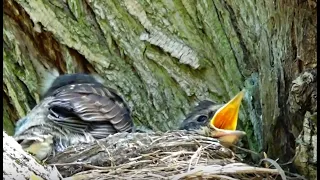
(90, 107)
(76, 108)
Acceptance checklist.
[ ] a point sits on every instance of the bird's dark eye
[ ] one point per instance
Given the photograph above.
(202, 118)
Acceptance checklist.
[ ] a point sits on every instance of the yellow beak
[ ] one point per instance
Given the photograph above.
(224, 122)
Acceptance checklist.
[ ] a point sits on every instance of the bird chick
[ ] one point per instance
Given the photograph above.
(216, 120)
(39, 147)
(75, 108)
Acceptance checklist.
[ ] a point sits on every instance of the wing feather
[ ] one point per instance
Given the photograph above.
(91, 108)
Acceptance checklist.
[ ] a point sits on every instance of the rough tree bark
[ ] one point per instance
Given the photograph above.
(165, 56)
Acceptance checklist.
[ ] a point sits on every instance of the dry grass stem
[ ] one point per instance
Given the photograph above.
(171, 155)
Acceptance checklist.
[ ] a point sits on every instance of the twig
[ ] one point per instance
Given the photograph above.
(194, 156)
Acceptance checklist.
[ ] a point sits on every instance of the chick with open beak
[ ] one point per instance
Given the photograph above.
(216, 120)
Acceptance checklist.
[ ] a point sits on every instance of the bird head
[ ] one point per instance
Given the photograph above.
(40, 146)
(216, 120)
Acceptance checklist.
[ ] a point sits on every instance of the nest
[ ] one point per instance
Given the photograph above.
(170, 155)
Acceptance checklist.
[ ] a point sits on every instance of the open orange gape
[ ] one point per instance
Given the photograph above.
(224, 123)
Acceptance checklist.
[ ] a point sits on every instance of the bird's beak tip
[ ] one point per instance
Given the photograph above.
(238, 97)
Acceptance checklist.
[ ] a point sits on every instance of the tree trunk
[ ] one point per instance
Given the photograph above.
(163, 57)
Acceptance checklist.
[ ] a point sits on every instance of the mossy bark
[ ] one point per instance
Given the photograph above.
(165, 56)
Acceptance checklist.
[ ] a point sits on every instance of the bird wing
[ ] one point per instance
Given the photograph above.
(91, 108)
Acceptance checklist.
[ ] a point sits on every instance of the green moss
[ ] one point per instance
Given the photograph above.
(8, 125)
(77, 8)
